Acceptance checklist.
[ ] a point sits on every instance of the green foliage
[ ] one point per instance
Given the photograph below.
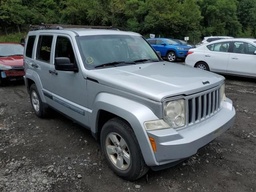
(14, 37)
(170, 18)
(220, 17)
(247, 17)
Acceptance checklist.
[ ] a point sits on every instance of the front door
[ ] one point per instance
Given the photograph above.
(242, 60)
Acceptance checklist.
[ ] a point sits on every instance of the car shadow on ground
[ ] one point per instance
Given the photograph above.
(243, 79)
(12, 83)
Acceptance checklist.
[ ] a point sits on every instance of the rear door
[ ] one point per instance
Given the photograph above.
(242, 59)
(218, 56)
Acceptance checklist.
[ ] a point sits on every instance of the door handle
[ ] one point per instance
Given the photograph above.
(235, 58)
(207, 56)
(34, 65)
(53, 72)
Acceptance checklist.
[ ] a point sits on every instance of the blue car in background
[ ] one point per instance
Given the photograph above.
(169, 49)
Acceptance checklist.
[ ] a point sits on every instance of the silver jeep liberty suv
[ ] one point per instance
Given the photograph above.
(145, 112)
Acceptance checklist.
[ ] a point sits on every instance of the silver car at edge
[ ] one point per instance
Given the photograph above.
(146, 113)
(229, 56)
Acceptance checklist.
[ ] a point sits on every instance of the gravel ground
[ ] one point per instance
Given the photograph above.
(55, 154)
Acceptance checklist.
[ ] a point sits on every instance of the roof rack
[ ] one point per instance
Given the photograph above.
(60, 26)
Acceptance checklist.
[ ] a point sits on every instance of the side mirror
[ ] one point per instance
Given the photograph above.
(64, 64)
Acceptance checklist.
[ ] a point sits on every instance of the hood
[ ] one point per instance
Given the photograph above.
(14, 61)
(157, 80)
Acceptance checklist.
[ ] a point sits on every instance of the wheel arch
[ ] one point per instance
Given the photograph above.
(170, 50)
(201, 61)
(108, 106)
(33, 78)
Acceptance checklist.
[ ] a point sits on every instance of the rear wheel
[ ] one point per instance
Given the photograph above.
(202, 65)
(121, 149)
(171, 56)
(36, 102)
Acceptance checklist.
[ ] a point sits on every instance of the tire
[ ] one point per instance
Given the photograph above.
(202, 65)
(2, 81)
(36, 102)
(121, 149)
(171, 56)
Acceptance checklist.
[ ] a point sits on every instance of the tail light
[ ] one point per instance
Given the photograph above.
(190, 52)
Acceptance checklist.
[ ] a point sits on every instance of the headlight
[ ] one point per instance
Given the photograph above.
(4, 67)
(174, 113)
(174, 116)
(222, 93)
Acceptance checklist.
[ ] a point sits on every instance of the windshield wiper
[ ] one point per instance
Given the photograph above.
(115, 64)
(144, 60)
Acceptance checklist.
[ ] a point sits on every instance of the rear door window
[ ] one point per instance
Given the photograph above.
(44, 48)
(219, 47)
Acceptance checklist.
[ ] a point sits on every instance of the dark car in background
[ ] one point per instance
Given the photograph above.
(169, 49)
(11, 62)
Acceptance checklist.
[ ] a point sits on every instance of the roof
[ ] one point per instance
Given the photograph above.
(79, 30)
(85, 32)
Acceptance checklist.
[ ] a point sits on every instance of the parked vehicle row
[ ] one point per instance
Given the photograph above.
(233, 56)
(169, 49)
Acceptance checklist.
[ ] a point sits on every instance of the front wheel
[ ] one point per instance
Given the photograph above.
(171, 56)
(121, 149)
(202, 65)
(36, 102)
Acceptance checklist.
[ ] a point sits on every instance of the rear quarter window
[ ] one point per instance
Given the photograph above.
(152, 41)
(30, 46)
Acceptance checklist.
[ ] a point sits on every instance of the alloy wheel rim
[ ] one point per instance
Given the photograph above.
(202, 66)
(171, 57)
(35, 101)
(118, 151)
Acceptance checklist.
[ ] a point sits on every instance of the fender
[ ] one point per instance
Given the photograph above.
(133, 112)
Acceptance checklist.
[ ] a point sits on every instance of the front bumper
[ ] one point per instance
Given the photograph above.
(174, 145)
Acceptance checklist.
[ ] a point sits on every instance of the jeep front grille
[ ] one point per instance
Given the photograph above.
(202, 105)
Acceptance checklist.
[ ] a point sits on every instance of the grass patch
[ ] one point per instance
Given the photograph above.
(15, 37)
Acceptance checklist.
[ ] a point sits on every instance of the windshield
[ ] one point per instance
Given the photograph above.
(10, 49)
(99, 50)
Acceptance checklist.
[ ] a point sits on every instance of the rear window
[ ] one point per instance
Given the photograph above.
(151, 41)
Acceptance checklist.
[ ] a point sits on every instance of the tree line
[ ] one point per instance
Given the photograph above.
(169, 18)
